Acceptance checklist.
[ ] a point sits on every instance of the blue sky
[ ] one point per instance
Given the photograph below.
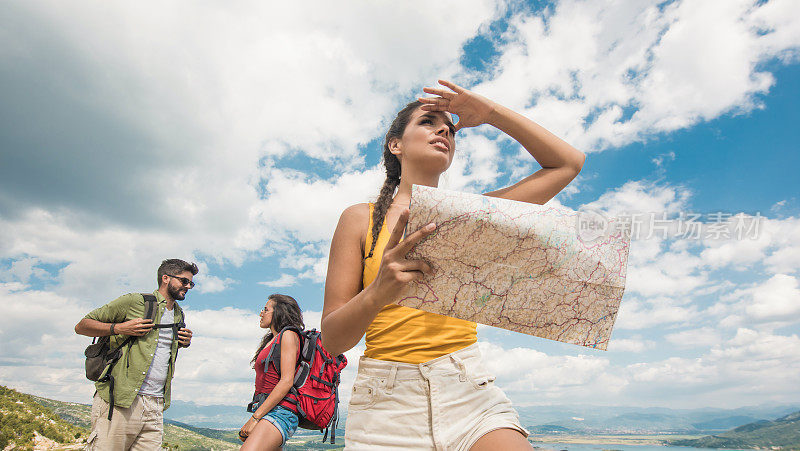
(234, 137)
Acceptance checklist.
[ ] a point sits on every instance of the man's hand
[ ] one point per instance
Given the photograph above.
(184, 337)
(135, 327)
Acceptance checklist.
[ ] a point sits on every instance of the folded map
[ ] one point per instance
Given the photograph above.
(529, 268)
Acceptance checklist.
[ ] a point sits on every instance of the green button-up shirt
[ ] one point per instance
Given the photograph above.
(131, 369)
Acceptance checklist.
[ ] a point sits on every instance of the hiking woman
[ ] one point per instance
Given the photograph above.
(275, 420)
(421, 383)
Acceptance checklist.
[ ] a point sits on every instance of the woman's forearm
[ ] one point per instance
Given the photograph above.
(549, 150)
(344, 327)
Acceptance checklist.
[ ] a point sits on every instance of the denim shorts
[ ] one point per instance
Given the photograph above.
(285, 420)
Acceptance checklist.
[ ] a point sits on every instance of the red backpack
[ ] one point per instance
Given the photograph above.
(316, 381)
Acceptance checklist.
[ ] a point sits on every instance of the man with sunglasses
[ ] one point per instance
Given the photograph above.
(142, 376)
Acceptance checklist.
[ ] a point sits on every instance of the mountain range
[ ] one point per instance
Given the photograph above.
(647, 420)
(25, 419)
(571, 418)
(783, 433)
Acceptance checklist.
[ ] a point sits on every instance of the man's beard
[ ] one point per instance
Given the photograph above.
(175, 293)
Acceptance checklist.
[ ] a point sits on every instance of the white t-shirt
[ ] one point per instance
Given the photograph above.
(153, 384)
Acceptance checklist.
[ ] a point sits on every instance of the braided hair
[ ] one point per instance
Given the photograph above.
(392, 165)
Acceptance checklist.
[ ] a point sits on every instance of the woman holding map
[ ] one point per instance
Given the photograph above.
(421, 383)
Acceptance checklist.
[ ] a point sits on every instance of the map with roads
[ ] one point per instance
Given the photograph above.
(522, 267)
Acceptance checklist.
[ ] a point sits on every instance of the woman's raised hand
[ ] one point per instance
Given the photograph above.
(396, 270)
(472, 109)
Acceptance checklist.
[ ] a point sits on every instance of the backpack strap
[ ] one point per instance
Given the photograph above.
(150, 310)
(149, 306)
(310, 345)
(177, 326)
(274, 356)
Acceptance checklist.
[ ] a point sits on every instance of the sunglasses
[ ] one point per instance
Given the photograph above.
(186, 282)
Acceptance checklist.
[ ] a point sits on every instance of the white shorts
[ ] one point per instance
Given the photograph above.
(444, 404)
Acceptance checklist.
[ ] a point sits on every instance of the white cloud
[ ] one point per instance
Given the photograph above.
(309, 211)
(715, 77)
(659, 161)
(475, 164)
(103, 262)
(212, 284)
(747, 241)
(643, 196)
(176, 167)
(765, 305)
(773, 300)
(785, 239)
(778, 206)
(749, 368)
(285, 280)
(675, 370)
(25, 310)
(309, 207)
(638, 314)
(752, 367)
(702, 337)
(671, 277)
(753, 347)
(630, 344)
(670, 273)
(220, 125)
(318, 270)
(38, 326)
(785, 259)
(22, 270)
(312, 319)
(623, 68)
(656, 268)
(533, 375)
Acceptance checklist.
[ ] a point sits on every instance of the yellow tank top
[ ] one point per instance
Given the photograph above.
(404, 334)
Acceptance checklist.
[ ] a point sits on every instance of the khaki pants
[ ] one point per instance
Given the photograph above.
(139, 427)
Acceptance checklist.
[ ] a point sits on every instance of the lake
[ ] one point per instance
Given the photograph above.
(616, 446)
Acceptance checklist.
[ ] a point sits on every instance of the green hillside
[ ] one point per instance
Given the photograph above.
(72, 412)
(783, 433)
(219, 434)
(175, 436)
(22, 418)
(178, 438)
